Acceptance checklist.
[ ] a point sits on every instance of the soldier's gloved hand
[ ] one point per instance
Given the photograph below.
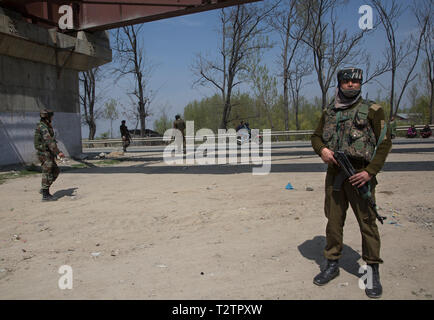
(360, 179)
(327, 156)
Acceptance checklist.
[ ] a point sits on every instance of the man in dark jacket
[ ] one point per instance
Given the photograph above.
(125, 134)
(179, 124)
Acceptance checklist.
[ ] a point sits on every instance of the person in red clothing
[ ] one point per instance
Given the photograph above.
(412, 132)
(426, 132)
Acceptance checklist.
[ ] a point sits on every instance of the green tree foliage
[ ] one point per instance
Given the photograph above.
(309, 115)
(265, 90)
(422, 106)
(162, 124)
(111, 113)
(207, 113)
(105, 135)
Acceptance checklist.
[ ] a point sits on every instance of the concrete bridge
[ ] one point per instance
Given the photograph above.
(41, 54)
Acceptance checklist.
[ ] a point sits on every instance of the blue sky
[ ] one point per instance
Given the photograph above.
(172, 44)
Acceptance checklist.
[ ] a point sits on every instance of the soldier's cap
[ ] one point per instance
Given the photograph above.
(350, 74)
(46, 113)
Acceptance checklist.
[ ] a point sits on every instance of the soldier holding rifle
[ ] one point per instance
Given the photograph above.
(356, 127)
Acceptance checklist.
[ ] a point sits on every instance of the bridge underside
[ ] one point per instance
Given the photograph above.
(96, 15)
(39, 62)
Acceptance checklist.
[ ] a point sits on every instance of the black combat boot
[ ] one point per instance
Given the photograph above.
(330, 272)
(46, 196)
(376, 290)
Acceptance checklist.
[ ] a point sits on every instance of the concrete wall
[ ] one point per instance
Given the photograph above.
(25, 88)
(16, 136)
(39, 69)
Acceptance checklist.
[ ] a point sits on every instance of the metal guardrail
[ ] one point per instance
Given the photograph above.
(86, 142)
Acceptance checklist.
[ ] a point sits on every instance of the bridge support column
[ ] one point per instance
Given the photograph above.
(39, 69)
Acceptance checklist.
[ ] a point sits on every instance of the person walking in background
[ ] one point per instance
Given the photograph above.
(125, 134)
(179, 124)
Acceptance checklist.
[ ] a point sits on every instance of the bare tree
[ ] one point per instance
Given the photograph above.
(131, 111)
(164, 122)
(132, 61)
(413, 94)
(330, 46)
(301, 69)
(404, 54)
(265, 88)
(428, 47)
(88, 98)
(285, 21)
(110, 113)
(241, 36)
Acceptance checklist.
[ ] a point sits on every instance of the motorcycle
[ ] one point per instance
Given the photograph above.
(244, 135)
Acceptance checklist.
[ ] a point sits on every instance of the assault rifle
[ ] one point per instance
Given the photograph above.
(347, 170)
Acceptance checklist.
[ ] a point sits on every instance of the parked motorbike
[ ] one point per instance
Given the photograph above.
(245, 135)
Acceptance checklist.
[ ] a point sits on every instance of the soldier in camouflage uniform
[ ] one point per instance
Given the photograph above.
(356, 126)
(47, 151)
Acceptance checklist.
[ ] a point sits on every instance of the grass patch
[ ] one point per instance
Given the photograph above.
(79, 165)
(108, 162)
(16, 174)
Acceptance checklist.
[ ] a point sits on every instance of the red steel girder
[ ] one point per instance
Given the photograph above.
(94, 15)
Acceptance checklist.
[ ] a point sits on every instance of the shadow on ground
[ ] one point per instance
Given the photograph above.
(65, 193)
(234, 169)
(314, 250)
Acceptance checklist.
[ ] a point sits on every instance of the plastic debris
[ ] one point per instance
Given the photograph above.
(289, 187)
(95, 254)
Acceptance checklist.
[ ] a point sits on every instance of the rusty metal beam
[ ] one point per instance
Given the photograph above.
(116, 16)
(96, 15)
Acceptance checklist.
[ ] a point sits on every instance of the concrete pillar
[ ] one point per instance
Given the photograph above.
(39, 69)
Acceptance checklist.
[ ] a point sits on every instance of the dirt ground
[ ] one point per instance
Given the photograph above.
(139, 229)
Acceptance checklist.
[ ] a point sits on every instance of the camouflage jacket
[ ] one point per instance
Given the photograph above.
(349, 130)
(375, 121)
(44, 140)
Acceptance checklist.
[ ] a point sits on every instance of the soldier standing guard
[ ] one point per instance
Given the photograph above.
(47, 151)
(357, 127)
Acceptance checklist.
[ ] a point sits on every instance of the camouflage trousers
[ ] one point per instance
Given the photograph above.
(50, 170)
(335, 207)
